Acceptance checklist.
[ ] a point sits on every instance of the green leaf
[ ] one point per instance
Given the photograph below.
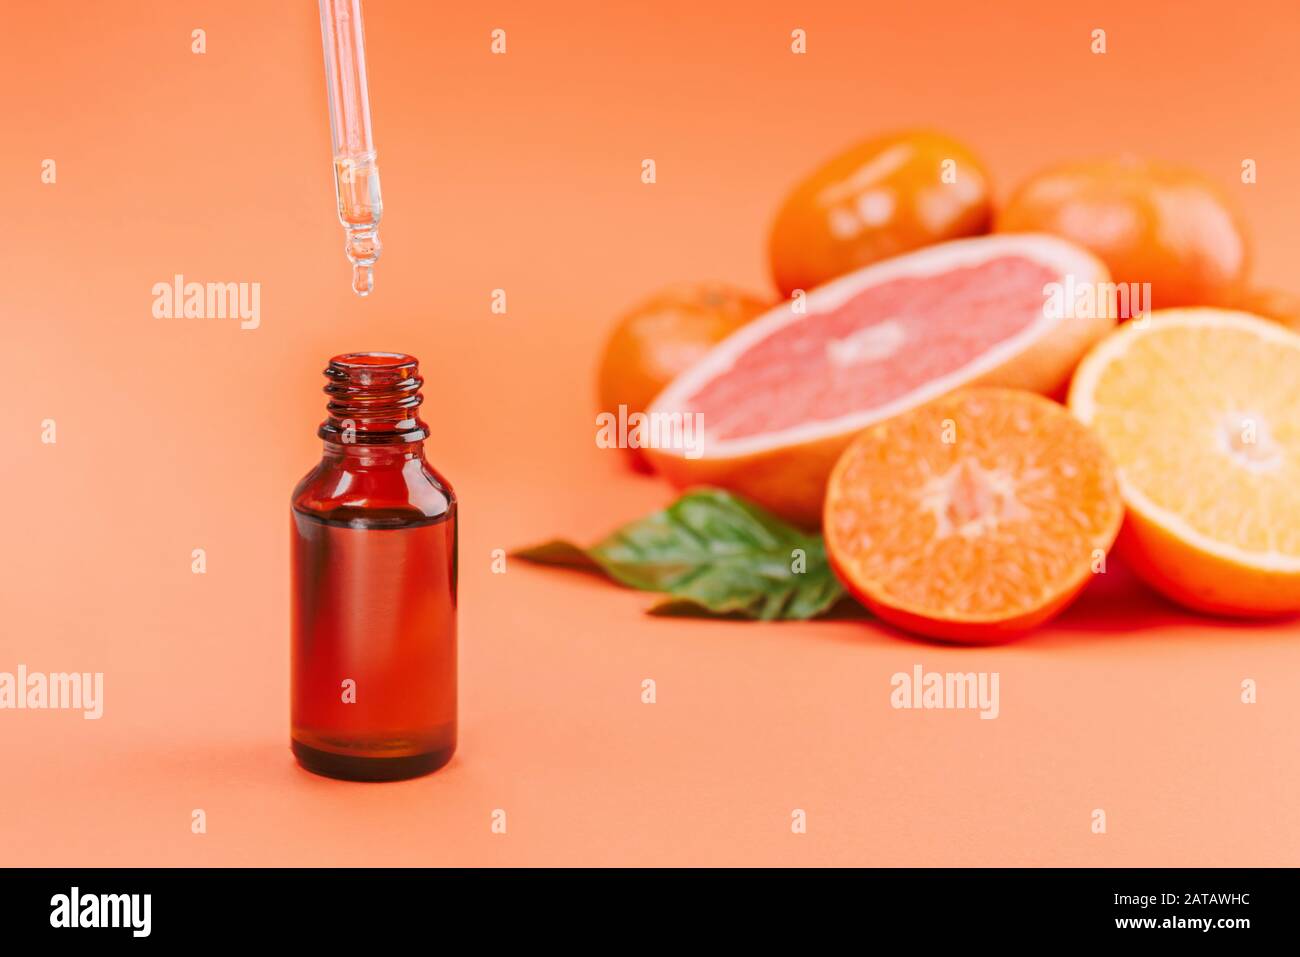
(560, 553)
(712, 552)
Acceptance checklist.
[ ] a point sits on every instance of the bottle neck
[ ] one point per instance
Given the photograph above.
(374, 398)
(366, 455)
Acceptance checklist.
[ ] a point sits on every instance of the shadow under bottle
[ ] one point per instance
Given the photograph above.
(374, 543)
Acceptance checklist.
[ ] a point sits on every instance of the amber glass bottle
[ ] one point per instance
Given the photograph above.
(373, 658)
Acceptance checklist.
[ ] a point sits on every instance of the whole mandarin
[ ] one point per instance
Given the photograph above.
(1147, 221)
(664, 335)
(884, 197)
(1275, 304)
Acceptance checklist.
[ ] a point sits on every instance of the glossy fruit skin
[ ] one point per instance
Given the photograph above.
(1275, 304)
(1147, 221)
(881, 198)
(1202, 581)
(664, 335)
(959, 632)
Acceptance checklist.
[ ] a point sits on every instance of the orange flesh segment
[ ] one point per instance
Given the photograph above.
(1205, 423)
(881, 344)
(999, 521)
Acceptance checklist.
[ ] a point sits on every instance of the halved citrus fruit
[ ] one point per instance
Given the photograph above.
(781, 398)
(974, 517)
(1200, 409)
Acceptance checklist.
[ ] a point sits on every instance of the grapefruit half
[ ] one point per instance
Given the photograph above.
(974, 517)
(1200, 410)
(778, 401)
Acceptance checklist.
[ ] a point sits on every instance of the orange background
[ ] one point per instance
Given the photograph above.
(521, 172)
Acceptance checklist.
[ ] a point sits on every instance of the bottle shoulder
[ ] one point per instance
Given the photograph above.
(357, 492)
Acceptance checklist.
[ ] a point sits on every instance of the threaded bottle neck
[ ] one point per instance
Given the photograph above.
(374, 399)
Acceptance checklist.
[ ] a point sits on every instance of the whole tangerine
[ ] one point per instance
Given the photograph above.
(665, 334)
(884, 197)
(1147, 221)
(1276, 304)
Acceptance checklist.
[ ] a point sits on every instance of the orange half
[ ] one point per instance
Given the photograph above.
(973, 518)
(1200, 409)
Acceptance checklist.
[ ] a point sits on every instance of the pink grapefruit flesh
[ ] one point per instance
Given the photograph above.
(781, 398)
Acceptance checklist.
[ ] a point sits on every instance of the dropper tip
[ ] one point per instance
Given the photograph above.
(363, 279)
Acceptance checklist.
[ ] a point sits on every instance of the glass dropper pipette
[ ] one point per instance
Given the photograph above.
(356, 175)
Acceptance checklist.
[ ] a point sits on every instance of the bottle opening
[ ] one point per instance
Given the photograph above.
(373, 360)
(373, 398)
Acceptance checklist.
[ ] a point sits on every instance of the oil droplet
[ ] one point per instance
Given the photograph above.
(363, 279)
